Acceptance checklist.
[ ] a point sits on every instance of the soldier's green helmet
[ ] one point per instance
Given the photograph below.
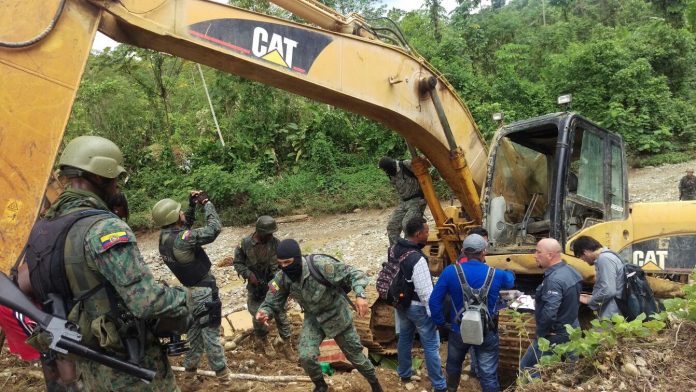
(266, 225)
(93, 154)
(165, 212)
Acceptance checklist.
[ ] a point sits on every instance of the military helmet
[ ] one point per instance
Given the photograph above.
(166, 212)
(266, 225)
(93, 154)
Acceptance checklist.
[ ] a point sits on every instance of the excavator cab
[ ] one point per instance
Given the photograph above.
(552, 176)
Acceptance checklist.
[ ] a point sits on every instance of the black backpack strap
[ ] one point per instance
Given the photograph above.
(467, 293)
(406, 170)
(319, 277)
(483, 291)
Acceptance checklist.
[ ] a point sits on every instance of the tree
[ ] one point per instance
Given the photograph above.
(435, 11)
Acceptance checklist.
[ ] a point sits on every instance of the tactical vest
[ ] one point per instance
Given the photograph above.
(262, 265)
(189, 274)
(58, 264)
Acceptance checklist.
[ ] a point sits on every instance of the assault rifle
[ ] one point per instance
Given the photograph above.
(64, 335)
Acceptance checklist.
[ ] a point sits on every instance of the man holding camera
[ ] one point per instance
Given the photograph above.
(181, 249)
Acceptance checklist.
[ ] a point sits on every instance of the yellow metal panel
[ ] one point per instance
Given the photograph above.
(39, 84)
(522, 263)
(646, 221)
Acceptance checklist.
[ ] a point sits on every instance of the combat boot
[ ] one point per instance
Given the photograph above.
(223, 376)
(376, 387)
(263, 346)
(320, 386)
(285, 347)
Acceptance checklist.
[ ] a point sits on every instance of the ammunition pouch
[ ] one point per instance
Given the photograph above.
(214, 313)
(212, 317)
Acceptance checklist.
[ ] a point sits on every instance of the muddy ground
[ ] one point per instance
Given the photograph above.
(357, 238)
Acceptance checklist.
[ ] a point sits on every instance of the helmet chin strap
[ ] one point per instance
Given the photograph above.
(100, 187)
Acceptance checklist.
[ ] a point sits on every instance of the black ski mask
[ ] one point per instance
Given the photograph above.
(388, 165)
(290, 249)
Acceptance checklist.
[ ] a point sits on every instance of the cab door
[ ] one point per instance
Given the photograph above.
(595, 188)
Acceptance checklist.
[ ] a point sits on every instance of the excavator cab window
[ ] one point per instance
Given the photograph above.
(595, 190)
(521, 185)
(552, 176)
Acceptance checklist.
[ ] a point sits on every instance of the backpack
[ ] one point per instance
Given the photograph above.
(474, 320)
(343, 289)
(392, 285)
(637, 297)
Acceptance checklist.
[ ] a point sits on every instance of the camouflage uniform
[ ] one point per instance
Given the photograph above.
(327, 313)
(412, 203)
(687, 188)
(111, 255)
(202, 337)
(252, 256)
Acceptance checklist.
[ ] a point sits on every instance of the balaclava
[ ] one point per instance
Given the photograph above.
(290, 249)
(388, 165)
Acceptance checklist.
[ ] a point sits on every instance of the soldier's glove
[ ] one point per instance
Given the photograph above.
(193, 198)
(253, 280)
(202, 198)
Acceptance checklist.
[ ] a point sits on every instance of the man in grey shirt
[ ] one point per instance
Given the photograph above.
(609, 282)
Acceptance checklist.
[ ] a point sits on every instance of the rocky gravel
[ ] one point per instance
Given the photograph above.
(657, 183)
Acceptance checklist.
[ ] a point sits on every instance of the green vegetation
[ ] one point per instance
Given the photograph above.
(608, 334)
(630, 65)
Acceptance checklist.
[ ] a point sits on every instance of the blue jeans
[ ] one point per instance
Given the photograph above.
(486, 355)
(531, 357)
(416, 318)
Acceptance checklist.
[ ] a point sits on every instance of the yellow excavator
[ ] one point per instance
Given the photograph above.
(558, 175)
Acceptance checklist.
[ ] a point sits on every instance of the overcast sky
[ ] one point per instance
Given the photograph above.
(102, 41)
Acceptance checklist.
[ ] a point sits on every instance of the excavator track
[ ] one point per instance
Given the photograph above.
(516, 332)
(377, 331)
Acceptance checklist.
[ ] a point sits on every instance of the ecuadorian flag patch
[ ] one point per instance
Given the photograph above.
(109, 240)
(273, 286)
(186, 235)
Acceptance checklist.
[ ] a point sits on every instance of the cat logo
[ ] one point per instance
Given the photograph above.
(290, 47)
(277, 50)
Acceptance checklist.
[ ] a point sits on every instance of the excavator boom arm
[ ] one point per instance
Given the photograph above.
(359, 74)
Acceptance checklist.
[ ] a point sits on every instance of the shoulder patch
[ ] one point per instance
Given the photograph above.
(329, 268)
(273, 286)
(111, 239)
(186, 235)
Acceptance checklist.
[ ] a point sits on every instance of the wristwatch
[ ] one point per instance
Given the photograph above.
(360, 295)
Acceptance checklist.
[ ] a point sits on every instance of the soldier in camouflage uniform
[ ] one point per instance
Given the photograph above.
(687, 186)
(181, 250)
(106, 272)
(326, 309)
(255, 261)
(412, 203)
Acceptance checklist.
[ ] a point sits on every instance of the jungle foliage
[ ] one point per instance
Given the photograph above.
(630, 65)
